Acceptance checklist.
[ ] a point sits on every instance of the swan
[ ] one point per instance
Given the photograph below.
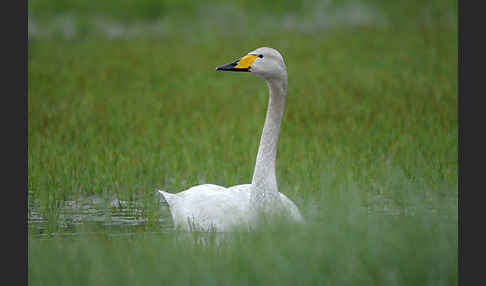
(211, 207)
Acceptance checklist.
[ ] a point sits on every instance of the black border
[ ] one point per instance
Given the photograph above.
(14, 141)
(23, 50)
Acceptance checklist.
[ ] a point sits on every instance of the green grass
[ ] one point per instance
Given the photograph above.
(129, 117)
(370, 122)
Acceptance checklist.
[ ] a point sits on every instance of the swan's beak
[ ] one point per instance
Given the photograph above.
(243, 64)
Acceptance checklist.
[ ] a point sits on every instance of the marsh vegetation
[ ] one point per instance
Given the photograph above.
(367, 149)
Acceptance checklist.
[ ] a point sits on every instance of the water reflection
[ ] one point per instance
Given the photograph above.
(96, 214)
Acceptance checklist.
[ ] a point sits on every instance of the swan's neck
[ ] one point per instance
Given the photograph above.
(264, 182)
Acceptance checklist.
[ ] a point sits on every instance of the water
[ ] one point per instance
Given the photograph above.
(114, 217)
(95, 215)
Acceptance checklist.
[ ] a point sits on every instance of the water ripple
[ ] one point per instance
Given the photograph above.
(95, 214)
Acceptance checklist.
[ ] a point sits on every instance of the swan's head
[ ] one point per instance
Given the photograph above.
(265, 62)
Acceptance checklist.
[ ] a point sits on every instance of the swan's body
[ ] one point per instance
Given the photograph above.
(211, 207)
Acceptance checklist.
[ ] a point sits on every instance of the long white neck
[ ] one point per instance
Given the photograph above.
(264, 182)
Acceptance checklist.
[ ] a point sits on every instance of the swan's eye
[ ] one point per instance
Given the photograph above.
(260, 56)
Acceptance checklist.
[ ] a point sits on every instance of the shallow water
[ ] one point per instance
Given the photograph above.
(95, 214)
(114, 217)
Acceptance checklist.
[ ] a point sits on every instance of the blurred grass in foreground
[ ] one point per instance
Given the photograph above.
(345, 246)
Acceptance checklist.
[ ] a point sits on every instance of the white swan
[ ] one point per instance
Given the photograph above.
(211, 207)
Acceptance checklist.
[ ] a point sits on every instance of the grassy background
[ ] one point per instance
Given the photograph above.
(370, 130)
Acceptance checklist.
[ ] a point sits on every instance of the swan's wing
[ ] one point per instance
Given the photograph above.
(293, 209)
(241, 188)
(209, 207)
(199, 189)
(287, 203)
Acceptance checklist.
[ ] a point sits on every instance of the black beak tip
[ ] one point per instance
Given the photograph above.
(231, 67)
(224, 67)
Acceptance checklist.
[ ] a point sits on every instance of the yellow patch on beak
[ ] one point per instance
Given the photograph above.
(245, 62)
